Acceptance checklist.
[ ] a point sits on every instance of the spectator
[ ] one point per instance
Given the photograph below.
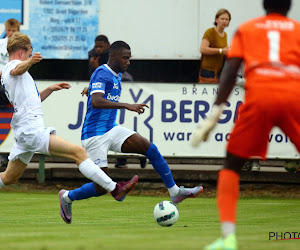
(214, 48)
(11, 26)
(98, 56)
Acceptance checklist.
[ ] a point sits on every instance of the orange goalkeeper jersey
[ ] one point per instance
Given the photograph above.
(270, 48)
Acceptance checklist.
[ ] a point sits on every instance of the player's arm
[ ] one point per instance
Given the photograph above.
(228, 79)
(24, 66)
(58, 86)
(99, 102)
(226, 84)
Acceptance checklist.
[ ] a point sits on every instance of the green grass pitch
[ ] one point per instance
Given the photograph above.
(32, 221)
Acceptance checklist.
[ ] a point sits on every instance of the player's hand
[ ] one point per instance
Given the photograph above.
(85, 91)
(37, 57)
(139, 108)
(59, 86)
(202, 132)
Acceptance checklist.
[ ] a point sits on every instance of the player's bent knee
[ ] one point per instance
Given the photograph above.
(80, 153)
(8, 180)
(143, 145)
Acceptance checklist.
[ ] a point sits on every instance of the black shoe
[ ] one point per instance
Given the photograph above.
(121, 163)
(144, 162)
(121, 166)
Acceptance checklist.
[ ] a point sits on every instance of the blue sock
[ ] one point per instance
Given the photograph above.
(84, 192)
(160, 165)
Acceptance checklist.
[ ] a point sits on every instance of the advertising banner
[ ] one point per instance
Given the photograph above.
(174, 112)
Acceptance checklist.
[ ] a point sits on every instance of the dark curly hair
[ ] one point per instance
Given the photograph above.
(277, 5)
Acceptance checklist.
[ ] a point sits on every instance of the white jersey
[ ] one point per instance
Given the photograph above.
(3, 52)
(23, 94)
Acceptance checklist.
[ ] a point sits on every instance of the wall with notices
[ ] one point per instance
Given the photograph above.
(156, 29)
(59, 29)
(64, 29)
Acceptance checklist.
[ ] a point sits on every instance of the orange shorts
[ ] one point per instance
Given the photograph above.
(263, 109)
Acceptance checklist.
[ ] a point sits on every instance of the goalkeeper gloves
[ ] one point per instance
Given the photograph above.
(202, 132)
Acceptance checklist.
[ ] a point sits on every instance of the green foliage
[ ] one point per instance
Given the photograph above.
(32, 221)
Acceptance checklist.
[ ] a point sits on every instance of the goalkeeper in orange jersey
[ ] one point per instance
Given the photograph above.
(269, 46)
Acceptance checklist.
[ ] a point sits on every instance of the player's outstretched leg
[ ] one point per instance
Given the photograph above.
(162, 168)
(88, 190)
(227, 197)
(123, 188)
(186, 193)
(65, 207)
(228, 243)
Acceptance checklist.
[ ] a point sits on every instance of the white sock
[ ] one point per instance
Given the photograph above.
(227, 228)
(91, 171)
(173, 190)
(66, 197)
(1, 183)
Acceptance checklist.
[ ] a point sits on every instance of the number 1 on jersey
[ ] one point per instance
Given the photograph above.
(274, 45)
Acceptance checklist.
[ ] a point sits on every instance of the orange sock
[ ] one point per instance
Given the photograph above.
(228, 194)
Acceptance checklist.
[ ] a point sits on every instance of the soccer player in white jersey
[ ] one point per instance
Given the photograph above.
(100, 133)
(27, 123)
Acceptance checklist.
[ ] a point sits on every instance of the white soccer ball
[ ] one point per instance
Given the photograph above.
(165, 213)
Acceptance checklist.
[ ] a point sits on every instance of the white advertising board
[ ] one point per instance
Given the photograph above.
(172, 29)
(174, 111)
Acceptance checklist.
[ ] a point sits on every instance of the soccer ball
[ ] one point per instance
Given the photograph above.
(165, 213)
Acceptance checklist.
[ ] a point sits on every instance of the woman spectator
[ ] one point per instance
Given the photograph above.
(214, 48)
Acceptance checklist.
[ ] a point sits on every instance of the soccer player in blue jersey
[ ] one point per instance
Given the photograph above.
(100, 132)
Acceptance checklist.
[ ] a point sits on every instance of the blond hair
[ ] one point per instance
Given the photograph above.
(12, 23)
(221, 12)
(18, 41)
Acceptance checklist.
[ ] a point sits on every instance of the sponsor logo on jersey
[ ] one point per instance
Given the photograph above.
(98, 161)
(96, 85)
(114, 98)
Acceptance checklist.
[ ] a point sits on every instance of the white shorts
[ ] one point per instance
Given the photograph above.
(29, 141)
(97, 147)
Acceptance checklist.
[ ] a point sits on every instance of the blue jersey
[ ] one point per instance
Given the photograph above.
(99, 121)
